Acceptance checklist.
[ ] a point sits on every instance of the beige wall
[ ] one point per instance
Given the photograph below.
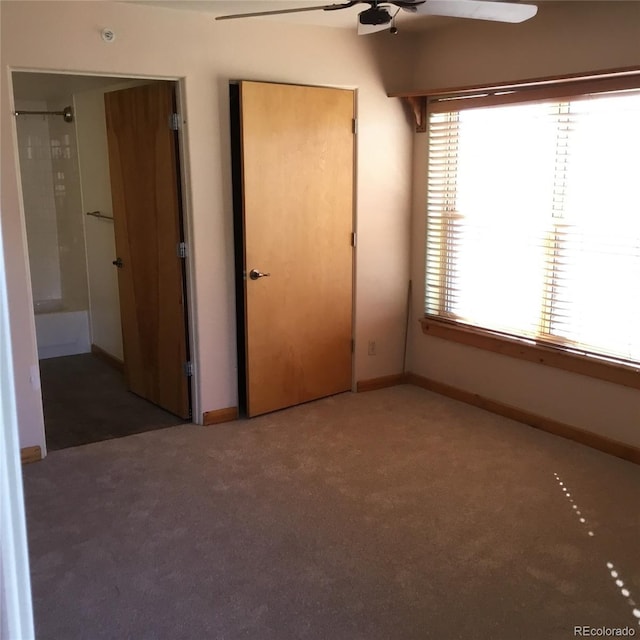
(564, 38)
(204, 55)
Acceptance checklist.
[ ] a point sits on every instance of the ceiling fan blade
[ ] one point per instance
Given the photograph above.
(366, 29)
(479, 10)
(322, 7)
(407, 5)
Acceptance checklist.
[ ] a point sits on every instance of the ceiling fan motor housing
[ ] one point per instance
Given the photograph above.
(375, 16)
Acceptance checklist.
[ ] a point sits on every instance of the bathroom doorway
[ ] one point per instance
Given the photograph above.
(69, 218)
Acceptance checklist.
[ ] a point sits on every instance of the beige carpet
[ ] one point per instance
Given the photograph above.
(394, 514)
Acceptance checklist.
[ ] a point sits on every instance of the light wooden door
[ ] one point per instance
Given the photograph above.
(297, 148)
(146, 209)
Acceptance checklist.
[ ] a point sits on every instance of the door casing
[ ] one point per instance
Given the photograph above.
(184, 179)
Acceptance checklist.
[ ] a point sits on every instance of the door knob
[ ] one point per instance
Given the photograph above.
(118, 262)
(254, 274)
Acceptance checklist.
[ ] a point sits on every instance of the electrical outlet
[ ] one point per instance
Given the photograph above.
(372, 348)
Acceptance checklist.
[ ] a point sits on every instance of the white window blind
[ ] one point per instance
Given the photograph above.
(533, 221)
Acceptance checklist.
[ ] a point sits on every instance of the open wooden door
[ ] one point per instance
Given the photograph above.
(148, 232)
(297, 166)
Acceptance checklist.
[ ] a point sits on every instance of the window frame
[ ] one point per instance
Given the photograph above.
(570, 87)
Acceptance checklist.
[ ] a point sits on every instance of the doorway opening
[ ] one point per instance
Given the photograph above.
(96, 342)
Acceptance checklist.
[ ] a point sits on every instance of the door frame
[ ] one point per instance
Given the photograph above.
(15, 580)
(238, 226)
(184, 182)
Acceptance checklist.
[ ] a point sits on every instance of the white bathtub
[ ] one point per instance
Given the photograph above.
(62, 333)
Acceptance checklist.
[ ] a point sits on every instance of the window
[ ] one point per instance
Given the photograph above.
(533, 219)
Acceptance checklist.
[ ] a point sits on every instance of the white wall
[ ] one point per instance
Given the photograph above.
(62, 333)
(205, 55)
(66, 191)
(51, 191)
(41, 217)
(564, 38)
(104, 301)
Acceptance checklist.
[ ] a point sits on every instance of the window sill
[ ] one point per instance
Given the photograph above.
(617, 373)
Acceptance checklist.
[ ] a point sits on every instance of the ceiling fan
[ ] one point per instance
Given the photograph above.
(378, 15)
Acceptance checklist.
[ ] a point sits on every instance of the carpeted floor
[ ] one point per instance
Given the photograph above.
(391, 515)
(85, 400)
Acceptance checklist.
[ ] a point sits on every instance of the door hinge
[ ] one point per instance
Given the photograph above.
(354, 126)
(181, 249)
(188, 369)
(353, 239)
(174, 122)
